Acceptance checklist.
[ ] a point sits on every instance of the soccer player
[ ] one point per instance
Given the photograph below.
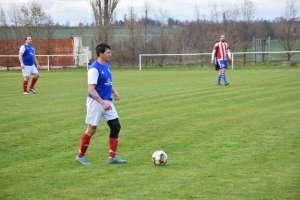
(100, 106)
(221, 49)
(27, 59)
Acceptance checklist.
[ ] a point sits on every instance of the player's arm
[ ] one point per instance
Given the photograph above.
(21, 52)
(116, 94)
(36, 62)
(213, 56)
(229, 54)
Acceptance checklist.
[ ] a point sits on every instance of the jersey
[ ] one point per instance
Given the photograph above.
(222, 49)
(100, 75)
(28, 54)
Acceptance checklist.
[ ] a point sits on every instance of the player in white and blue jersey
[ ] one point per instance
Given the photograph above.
(27, 59)
(100, 106)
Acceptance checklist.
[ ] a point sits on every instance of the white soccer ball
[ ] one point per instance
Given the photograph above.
(159, 158)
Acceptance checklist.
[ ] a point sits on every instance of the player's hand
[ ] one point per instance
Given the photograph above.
(106, 106)
(22, 66)
(212, 62)
(116, 96)
(38, 66)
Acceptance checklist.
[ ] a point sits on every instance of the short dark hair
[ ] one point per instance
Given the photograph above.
(101, 48)
(26, 37)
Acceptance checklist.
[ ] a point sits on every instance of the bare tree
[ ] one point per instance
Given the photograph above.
(26, 19)
(182, 42)
(200, 35)
(103, 13)
(33, 19)
(134, 31)
(67, 24)
(18, 30)
(49, 32)
(163, 38)
(229, 26)
(287, 34)
(247, 26)
(4, 30)
(5, 36)
(147, 9)
(215, 21)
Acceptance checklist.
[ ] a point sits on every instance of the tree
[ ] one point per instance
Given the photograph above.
(246, 26)
(162, 40)
(103, 13)
(200, 34)
(182, 41)
(134, 32)
(229, 26)
(4, 31)
(287, 34)
(67, 24)
(147, 8)
(17, 27)
(25, 19)
(4, 35)
(33, 18)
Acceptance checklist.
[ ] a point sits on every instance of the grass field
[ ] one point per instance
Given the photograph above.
(236, 142)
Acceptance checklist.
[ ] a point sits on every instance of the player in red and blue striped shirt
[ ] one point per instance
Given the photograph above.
(221, 49)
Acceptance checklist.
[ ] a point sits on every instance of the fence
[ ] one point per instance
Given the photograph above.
(49, 58)
(43, 47)
(206, 57)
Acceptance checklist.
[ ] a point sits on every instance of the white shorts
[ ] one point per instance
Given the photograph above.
(95, 112)
(28, 70)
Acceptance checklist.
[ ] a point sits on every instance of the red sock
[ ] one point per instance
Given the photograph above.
(33, 81)
(113, 145)
(85, 141)
(25, 82)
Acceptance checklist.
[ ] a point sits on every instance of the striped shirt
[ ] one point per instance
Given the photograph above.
(222, 49)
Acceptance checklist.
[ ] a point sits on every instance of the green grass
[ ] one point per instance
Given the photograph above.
(236, 142)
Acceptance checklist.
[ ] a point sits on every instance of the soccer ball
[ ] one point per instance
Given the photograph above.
(159, 158)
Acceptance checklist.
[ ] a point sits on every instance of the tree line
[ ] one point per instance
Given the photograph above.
(158, 33)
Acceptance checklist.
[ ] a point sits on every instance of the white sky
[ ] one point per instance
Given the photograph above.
(76, 11)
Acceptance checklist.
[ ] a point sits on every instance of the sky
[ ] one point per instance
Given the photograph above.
(75, 11)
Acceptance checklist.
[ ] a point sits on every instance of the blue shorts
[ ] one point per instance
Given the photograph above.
(223, 64)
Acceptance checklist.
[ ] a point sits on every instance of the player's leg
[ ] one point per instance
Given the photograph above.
(26, 74)
(224, 78)
(219, 74)
(34, 79)
(219, 78)
(94, 112)
(111, 117)
(113, 142)
(85, 139)
(84, 144)
(223, 66)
